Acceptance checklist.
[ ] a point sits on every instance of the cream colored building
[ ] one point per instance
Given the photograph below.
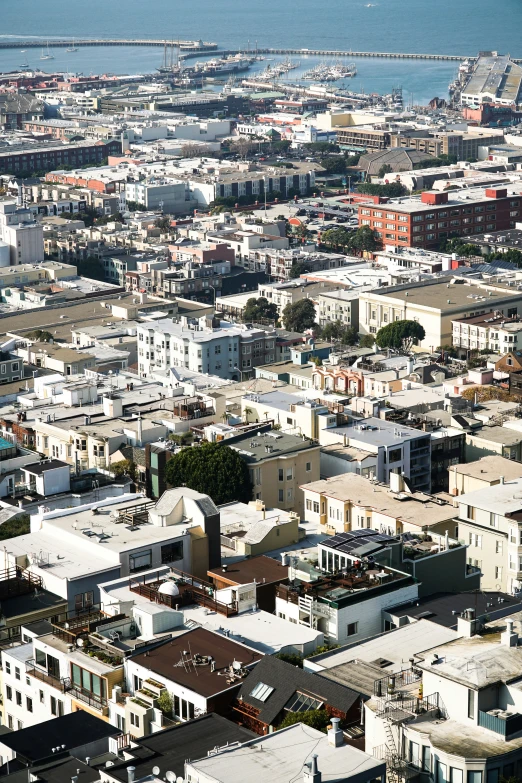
(485, 472)
(293, 414)
(435, 304)
(252, 529)
(350, 502)
(490, 523)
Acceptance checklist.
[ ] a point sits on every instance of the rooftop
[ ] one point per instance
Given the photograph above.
(259, 569)
(445, 608)
(376, 433)
(490, 468)
(167, 660)
(268, 445)
(283, 756)
(415, 509)
(450, 295)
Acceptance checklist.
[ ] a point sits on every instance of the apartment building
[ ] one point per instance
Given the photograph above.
(29, 158)
(277, 264)
(464, 145)
(73, 550)
(489, 332)
(488, 521)
(455, 713)
(21, 233)
(436, 304)
(160, 193)
(363, 138)
(338, 306)
(350, 502)
(293, 414)
(345, 607)
(226, 352)
(279, 464)
(398, 450)
(481, 473)
(426, 220)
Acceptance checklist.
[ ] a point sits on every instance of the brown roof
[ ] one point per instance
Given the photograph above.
(260, 569)
(165, 660)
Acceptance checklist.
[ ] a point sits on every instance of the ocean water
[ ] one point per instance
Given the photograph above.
(438, 26)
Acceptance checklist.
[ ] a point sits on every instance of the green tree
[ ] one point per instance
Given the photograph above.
(400, 335)
(40, 336)
(125, 467)
(337, 237)
(260, 309)
(321, 147)
(332, 330)
(165, 704)
(299, 316)
(212, 468)
(350, 336)
(17, 526)
(364, 239)
(392, 190)
(317, 719)
(385, 169)
(367, 341)
(299, 268)
(334, 164)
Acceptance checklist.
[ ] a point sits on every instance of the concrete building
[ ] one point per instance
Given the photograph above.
(226, 352)
(494, 78)
(424, 221)
(436, 304)
(481, 473)
(398, 450)
(491, 332)
(251, 529)
(339, 306)
(293, 414)
(489, 523)
(351, 502)
(24, 236)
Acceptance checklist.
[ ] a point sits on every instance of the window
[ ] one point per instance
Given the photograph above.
(474, 776)
(42, 697)
(87, 682)
(308, 467)
(413, 754)
(308, 505)
(352, 629)
(316, 507)
(493, 775)
(18, 696)
(140, 560)
(498, 547)
(281, 496)
(441, 773)
(301, 703)
(9, 693)
(7, 667)
(172, 552)
(40, 658)
(289, 474)
(138, 682)
(281, 474)
(456, 775)
(426, 759)
(471, 703)
(134, 719)
(261, 692)
(394, 455)
(470, 513)
(29, 703)
(17, 673)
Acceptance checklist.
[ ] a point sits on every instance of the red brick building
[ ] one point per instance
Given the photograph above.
(425, 221)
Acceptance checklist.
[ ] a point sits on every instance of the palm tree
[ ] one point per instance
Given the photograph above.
(225, 416)
(246, 413)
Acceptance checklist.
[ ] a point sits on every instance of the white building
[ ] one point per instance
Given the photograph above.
(19, 230)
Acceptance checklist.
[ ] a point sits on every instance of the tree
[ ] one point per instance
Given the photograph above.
(212, 468)
(260, 309)
(317, 719)
(299, 316)
(350, 336)
(367, 341)
(334, 164)
(194, 151)
(364, 239)
(40, 336)
(242, 147)
(298, 268)
(281, 146)
(302, 232)
(16, 526)
(165, 704)
(385, 169)
(321, 147)
(400, 334)
(125, 467)
(392, 190)
(337, 237)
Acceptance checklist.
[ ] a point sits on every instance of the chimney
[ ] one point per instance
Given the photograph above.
(335, 735)
(501, 479)
(284, 558)
(140, 430)
(509, 637)
(466, 625)
(446, 541)
(310, 772)
(130, 774)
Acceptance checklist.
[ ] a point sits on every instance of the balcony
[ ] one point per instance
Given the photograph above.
(501, 722)
(87, 697)
(62, 684)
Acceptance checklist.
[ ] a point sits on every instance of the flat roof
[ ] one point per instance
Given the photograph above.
(416, 509)
(504, 435)
(172, 747)
(395, 646)
(251, 446)
(490, 469)
(378, 432)
(283, 756)
(260, 569)
(446, 296)
(165, 659)
(444, 608)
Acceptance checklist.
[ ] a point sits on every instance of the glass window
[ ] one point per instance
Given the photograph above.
(474, 776)
(40, 658)
(261, 692)
(414, 757)
(140, 560)
(172, 552)
(426, 759)
(493, 775)
(441, 773)
(471, 703)
(299, 702)
(456, 775)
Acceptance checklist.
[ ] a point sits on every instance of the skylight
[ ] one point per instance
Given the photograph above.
(262, 691)
(301, 703)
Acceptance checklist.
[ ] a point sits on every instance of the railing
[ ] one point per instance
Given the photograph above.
(405, 770)
(401, 707)
(18, 581)
(391, 681)
(191, 591)
(61, 684)
(98, 702)
(505, 726)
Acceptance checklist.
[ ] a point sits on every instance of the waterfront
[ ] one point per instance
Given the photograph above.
(388, 25)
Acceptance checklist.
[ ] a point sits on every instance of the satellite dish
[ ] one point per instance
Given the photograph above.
(155, 771)
(171, 776)
(180, 780)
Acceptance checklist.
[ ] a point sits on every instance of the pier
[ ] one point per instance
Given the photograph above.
(201, 47)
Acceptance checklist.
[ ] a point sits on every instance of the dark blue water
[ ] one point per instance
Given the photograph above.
(441, 26)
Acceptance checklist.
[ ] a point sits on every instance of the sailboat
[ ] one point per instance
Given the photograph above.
(72, 48)
(25, 65)
(46, 54)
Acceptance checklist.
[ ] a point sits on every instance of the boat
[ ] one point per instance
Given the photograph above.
(231, 64)
(46, 53)
(24, 66)
(72, 48)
